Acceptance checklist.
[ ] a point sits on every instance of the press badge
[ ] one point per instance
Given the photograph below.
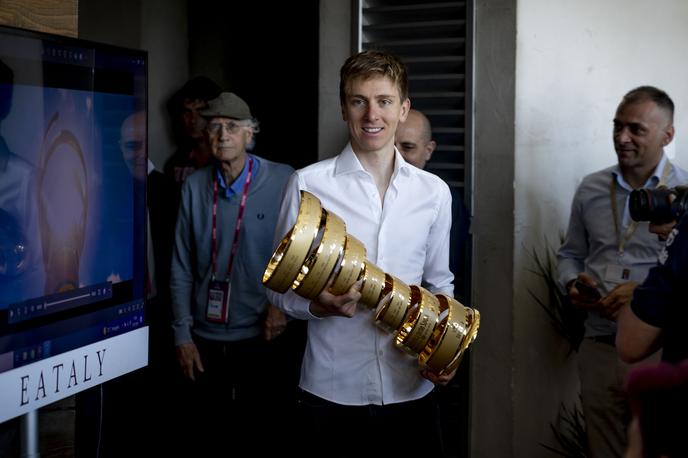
(615, 273)
(218, 301)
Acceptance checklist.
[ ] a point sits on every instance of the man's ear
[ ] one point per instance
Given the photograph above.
(668, 135)
(405, 108)
(429, 149)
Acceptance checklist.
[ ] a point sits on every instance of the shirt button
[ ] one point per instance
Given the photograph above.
(380, 352)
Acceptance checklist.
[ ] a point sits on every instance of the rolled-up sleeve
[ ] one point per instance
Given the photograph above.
(288, 302)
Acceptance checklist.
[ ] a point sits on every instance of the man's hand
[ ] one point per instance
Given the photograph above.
(327, 304)
(617, 298)
(189, 358)
(275, 322)
(662, 230)
(583, 301)
(442, 380)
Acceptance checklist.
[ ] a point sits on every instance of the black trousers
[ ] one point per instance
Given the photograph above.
(402, 429)
(251, 386)
(246, 397)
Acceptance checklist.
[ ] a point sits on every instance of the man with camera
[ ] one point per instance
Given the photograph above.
(657, 315)
(606, 255)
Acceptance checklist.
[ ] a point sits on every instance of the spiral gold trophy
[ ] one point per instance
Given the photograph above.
(437, 329)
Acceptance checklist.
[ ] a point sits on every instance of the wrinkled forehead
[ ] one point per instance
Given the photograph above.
(642, 111)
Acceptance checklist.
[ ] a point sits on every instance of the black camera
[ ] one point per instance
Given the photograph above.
(660, 205)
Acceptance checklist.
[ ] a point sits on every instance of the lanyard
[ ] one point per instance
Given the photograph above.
(634, 224)
(240, 218)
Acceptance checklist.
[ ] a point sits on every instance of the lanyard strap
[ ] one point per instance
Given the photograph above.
(634, 224)
(240, 218)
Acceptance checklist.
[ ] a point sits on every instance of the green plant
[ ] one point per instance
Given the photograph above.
(569, 427)
(566, 320)
(569, 431)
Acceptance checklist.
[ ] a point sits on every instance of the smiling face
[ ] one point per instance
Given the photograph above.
(641, 131)
(372, 108)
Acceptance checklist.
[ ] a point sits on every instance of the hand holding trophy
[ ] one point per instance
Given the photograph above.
(317, 251)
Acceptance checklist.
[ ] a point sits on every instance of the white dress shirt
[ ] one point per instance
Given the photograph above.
(351, 361)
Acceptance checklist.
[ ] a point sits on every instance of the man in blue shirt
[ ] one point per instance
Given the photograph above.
(609, 254)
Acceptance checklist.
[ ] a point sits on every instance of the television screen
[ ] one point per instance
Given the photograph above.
(72, 216)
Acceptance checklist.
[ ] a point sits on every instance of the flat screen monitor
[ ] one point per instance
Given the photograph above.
(72, 216)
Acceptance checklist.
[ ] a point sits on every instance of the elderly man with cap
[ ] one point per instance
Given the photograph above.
(222, 318)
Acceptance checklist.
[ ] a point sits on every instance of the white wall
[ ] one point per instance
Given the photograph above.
(575, 60)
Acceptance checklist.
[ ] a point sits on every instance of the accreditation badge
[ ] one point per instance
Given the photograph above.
(615, 273)
(218, 301)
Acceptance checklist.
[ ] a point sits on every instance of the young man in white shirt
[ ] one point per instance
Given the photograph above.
(357, 388)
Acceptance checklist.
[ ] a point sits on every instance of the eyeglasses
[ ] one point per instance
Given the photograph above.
(231, 126)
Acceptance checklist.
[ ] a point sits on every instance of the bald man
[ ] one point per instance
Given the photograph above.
(413, 139)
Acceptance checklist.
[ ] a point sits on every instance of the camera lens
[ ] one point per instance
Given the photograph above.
(652, 205)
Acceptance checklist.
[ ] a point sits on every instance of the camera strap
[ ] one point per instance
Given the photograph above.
(634, 224)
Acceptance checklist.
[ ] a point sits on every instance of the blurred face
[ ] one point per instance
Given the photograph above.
(412, 141)
(641, 131)
(132, 143)
(228, 138)
(372, 109)
(193, 122)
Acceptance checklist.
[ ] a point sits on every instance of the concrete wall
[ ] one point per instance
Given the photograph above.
(575, 60)
(491, 390)
(335, 47)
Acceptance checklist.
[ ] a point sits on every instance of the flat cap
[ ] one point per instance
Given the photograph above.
(227, 105)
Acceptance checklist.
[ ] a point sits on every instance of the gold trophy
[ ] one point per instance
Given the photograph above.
(437, 329)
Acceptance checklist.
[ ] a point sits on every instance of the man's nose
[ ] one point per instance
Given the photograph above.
(224, 133)
(371, 112)
(622, 135)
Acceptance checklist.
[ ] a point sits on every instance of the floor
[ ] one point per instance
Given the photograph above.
(55, 430)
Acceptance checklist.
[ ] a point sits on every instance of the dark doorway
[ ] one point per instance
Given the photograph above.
(258, 51)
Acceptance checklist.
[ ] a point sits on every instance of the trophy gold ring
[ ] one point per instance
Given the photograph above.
(317, 252)
(286, 261)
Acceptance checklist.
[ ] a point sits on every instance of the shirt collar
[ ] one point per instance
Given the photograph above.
(651, 182)
(400, 164)
(238, 185)
(347, 162)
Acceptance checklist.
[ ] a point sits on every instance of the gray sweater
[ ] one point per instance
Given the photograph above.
(192, 257)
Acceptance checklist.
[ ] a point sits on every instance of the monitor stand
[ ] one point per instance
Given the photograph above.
(28, 428)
